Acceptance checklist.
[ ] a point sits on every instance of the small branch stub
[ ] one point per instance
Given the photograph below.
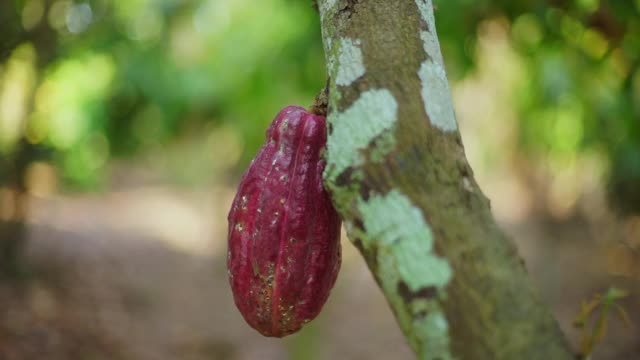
(321, 103)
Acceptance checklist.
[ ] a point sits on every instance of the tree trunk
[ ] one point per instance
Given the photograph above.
(12, 241)
(398, 175)
(13, 213)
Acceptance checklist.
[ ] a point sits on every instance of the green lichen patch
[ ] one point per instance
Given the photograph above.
(437, 96)
(392, 221)
(435, 86)
(350, 64)
(382, 146)
(408, 269)
(327, 5)
(433, 332)
(374, 113)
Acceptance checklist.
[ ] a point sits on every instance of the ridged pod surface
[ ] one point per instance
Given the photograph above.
(284, 234)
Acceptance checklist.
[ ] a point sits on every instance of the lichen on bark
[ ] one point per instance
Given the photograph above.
(407, 194)
(407, 265)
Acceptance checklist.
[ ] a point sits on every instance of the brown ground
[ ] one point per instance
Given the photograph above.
(140, 274)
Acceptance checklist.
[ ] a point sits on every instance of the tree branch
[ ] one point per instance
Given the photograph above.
(398, 175)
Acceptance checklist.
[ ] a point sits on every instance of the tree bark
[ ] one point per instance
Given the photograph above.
(398, 175)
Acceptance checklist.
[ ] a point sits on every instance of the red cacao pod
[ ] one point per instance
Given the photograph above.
(284, 234)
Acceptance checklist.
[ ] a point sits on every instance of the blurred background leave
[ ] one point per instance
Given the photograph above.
(126, 124)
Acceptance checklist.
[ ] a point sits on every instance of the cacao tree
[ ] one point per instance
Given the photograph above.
(397, 174)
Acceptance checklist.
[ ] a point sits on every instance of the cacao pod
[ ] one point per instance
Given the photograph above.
(284, 234)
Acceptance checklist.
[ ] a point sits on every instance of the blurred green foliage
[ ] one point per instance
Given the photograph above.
(90, 80)
(581, 92)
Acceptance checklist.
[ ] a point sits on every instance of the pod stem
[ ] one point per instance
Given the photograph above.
(321, 103)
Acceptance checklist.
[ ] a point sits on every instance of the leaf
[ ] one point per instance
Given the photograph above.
(622, 313)
(614, 294)
(586, 309)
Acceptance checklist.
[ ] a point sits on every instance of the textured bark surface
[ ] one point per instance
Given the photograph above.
(398, 175)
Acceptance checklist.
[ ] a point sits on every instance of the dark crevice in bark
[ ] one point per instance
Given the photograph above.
(348, 9)
(427, 293)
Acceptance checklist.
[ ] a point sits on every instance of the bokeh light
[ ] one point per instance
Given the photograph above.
(125, 126)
